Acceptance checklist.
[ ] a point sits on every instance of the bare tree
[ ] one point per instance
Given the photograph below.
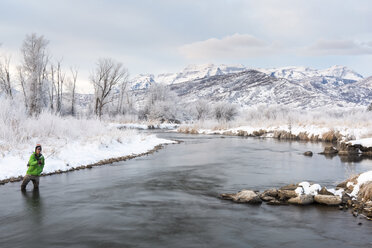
(32, 72)
(5, 84)
(71, 86)
(104, 78)
(122, 92)
(59, 85)
(225, 111)
(202, 109)
(52, 87)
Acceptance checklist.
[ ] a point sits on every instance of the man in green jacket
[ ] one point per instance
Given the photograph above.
(35, 167)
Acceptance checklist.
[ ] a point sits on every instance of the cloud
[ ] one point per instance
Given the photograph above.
(234, 46)
(339, 47)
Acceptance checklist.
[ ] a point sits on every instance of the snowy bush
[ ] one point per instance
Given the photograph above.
(19, 131)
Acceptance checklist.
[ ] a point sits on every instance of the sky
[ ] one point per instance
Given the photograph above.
(161, 36)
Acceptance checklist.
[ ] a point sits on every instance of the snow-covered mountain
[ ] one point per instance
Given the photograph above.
(252, 87)
(300, 73)
(299, 87)
(335, 75)
(189, 73)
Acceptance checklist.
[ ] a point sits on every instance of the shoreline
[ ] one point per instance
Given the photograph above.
(344, 147)
(90, 166)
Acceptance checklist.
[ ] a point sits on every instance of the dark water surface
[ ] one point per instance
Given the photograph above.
(169, 199)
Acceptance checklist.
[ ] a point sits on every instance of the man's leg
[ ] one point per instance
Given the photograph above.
(25, 181)
(35, 180)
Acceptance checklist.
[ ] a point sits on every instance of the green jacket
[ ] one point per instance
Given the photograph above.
(34, 168)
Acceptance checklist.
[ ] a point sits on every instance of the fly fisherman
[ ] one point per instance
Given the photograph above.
(35, 167)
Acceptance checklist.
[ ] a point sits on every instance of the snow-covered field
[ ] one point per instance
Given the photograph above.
(67, 141)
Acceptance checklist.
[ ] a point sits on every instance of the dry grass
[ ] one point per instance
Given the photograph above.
(331, 136)
(365, 192)
(186, 129)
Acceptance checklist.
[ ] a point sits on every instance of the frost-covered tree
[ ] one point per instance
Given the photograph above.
(122, 105)
(71, 88)
(32, 72)
(60, 79)
(202, 109)
(5, 83)
(104, 78)
(225, 111)
(161, 104)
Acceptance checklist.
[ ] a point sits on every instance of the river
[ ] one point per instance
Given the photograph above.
(170, 199)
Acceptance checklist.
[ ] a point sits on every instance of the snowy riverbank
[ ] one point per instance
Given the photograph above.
(72, 154)
(300, 132)
(68, 142)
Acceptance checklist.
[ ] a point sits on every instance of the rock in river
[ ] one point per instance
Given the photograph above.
(302, 200)
(244, 196)
(330, 150)
(330, 200)
(308, 153)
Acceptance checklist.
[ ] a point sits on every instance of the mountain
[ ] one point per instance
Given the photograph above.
(300, 73)
(299, 87)
(189, 73)
(142, 81)
(336, 75)
(253, 87)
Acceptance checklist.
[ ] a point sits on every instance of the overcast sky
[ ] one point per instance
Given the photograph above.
(166, 35)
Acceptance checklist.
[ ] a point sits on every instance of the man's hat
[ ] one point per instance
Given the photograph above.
(37, 146)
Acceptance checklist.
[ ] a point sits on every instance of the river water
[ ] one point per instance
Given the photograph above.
(170, 199)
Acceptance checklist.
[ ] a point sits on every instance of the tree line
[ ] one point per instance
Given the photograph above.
(45, 85)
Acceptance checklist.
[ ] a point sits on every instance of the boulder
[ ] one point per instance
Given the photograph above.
(286, 194)
(308, 153)
(244, 196)
(341, 185)
(330, 150)
(330, 200)
(270, 193)
(302, 200)
(324, 191)
(289, 187)
(267, 198)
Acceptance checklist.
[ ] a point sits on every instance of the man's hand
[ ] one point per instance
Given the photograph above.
(39, 162)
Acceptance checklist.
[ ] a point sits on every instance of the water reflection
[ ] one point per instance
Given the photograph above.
(348, 158)
(33, 205)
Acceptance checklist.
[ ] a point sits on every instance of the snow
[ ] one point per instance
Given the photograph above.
(363, 178)
(296, 130)
(300, 72)
(192, 72)
(336, 192)
(67, 142)
(367, 142)
(77, 153)
(307, 189)
(145, 126)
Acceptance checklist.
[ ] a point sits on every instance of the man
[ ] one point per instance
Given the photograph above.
(35, 167)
